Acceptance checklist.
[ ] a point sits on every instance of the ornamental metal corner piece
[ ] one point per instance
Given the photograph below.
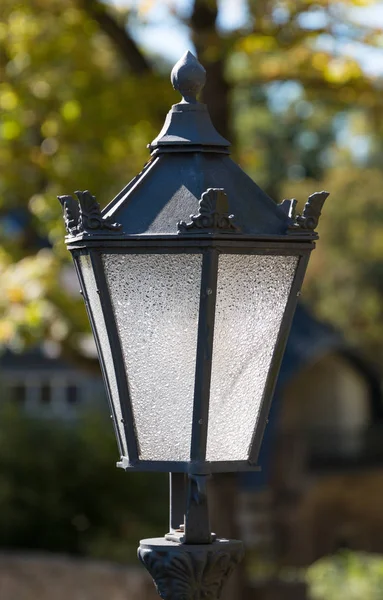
(190, 572)
(307, 221)
(213, 215)
(85, 215)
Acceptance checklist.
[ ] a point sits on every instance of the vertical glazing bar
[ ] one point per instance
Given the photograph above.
(204, 355)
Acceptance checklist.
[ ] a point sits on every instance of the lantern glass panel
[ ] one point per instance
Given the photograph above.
(252, 293)
(156, 299)
(89, 281)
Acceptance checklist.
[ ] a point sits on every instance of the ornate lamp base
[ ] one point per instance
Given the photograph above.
(188, 571)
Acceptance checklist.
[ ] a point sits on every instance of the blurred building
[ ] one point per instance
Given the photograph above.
(48, 387)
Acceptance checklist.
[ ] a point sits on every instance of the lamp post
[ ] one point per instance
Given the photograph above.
(190, 316)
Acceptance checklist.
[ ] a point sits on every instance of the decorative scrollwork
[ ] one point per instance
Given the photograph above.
(191, 574)
(308, 220)
(213, 214)
(288, 207)
(85, 215)
(71, 213)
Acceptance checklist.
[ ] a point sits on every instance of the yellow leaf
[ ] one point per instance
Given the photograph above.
(340, 71)
(6, 331)
(71, 110)
(8, 99)
(50, 128)
(320, 60)
(10, 130)
(15, 294)
(255, 43)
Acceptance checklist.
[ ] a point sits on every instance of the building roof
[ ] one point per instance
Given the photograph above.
(30, 360)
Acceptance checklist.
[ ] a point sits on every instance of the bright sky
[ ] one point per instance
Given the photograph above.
(162, 32)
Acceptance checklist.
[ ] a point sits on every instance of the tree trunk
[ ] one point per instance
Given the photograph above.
(212, 52)
(118, 34)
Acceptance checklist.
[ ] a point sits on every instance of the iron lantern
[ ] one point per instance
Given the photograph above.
(190, 316)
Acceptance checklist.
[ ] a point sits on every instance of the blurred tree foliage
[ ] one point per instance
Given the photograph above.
(59, 491)
(345, 279)
(72, 117)
(80, 101)
(348, 575)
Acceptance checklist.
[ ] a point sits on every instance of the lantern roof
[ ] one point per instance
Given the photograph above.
(189, 157)
(190, 184)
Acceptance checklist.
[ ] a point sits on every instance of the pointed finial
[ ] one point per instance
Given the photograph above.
(188, 77)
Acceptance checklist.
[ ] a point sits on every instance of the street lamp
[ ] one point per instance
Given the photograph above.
(190, 317)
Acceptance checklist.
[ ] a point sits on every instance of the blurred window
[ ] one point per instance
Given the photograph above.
(45, 393)
(72, 394)
(18, 393)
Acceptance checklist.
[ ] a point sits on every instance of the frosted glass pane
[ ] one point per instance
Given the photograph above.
(94, 300)
(252, 294)
(156, 303)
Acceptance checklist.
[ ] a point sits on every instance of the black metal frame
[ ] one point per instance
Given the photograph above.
(118, 361)
(210, 246)
(99, 350)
